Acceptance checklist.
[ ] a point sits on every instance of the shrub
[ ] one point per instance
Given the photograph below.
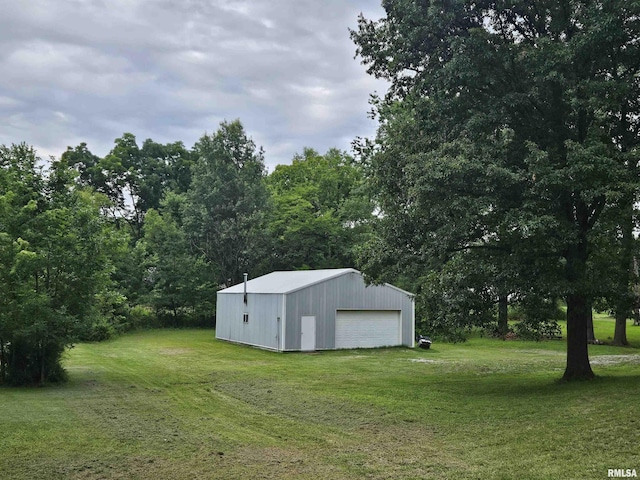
(492, 330)
(27, 362)
(99, 331)
(140, 317)
(527, 330)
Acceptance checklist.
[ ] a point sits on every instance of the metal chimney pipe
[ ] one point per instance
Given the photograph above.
(245, 287)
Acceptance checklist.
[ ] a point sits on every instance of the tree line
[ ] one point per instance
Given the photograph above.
(502, 179)
(146, 235)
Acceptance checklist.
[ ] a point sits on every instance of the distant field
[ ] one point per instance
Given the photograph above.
(177, 404)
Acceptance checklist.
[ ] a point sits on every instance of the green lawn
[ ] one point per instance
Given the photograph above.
(178, 404)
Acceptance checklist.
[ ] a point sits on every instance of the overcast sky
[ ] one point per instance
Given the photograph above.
(77, 71)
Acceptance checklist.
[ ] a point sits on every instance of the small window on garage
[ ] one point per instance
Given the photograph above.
(245, 318)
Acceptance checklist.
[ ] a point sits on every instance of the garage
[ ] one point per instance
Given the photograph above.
(308, 310)
(368, 328)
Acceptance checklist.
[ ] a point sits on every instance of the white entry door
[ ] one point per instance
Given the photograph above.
(308, 333)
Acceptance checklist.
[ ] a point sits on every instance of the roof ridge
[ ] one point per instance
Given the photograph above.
(284, 281)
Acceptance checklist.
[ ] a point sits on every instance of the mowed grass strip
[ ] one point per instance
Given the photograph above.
(179, 404)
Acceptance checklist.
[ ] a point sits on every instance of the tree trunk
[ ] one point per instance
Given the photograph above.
(624, 302)
(635, 293)
(3, 363)
(42, 364)
(591, 336)
(620, 334)
(578, 367)
(578, 308)
(503, 310)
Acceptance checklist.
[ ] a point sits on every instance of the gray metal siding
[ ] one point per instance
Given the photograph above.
(342, 293)
(262, 330)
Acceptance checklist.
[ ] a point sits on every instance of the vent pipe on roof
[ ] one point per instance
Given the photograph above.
(245, 287)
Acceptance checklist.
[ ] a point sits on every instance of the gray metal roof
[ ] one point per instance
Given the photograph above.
(290, 281)
(286, 282)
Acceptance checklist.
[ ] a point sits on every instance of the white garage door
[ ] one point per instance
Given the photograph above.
(368, 328)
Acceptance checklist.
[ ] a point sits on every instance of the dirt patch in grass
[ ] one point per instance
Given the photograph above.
(279, 462)
(352, 440)
(174, 351)
(614, 359)
(372, 451)
(139, 467)
(541, 352)
(397, 451)
(297, 403)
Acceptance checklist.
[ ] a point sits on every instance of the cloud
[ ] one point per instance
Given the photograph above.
(90, 70)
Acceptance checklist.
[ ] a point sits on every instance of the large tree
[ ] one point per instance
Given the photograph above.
(134, 178)
(319, 213)
(55, 259)
(224, 211)
(499, 131)
(181, 282)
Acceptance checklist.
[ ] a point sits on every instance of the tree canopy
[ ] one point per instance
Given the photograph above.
(223, 213)
(320, 211)
(56, 256)
(508, 126)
